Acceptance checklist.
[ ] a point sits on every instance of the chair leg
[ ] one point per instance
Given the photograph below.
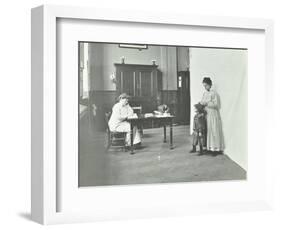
(108, 140)
(124, 143)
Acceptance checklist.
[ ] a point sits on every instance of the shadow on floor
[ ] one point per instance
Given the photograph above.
(25, 215)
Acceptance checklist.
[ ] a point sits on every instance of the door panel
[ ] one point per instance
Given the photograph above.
(146, 83)
(127, 82)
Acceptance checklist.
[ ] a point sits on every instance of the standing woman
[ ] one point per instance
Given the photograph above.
(211, 101)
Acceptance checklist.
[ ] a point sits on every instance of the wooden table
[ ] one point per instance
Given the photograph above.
(164, 120)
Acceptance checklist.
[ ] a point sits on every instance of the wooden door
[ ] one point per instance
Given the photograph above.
(183, 97)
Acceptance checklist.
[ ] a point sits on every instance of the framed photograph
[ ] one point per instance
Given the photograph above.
(136, 116)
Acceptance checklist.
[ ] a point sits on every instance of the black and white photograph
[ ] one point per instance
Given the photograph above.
(161, 114)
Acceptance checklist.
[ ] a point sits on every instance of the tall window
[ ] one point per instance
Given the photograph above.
(84, 70)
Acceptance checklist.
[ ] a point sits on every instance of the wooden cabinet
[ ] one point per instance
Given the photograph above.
(142, 82)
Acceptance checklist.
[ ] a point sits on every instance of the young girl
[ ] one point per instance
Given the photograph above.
(199, 128)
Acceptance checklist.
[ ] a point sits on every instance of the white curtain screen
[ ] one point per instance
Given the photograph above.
(228, 70)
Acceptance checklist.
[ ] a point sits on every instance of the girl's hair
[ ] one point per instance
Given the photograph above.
(199, 107)
(122, 96)
(207, 80)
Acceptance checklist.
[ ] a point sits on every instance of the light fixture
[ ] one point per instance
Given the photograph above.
(133, 46)
(113, 77)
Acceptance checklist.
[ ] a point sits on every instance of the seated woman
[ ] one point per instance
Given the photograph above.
(117, 122)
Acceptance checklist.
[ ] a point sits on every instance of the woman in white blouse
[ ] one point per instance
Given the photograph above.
(117, 122)
(211, 101)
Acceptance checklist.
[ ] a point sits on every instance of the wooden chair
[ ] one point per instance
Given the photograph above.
(114, 139)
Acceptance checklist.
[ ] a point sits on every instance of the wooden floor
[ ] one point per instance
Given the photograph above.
(154, 163)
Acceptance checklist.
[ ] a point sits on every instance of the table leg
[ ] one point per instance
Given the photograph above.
(171, 134)
(164, 127)
(132, 137)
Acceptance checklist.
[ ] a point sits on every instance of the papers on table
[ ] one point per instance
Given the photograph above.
(148, 115)
(163, 115)
(133, 116)
(159, 114)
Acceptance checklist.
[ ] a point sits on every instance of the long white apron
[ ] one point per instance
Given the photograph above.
(117, 124)
(215, 139)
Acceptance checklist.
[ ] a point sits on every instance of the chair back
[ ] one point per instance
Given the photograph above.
(114, 139)
(137, 109)
(107, 116)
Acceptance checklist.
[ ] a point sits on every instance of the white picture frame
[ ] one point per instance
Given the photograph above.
(44, 179)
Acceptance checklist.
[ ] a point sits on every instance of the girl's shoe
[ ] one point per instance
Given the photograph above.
(193, 150)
